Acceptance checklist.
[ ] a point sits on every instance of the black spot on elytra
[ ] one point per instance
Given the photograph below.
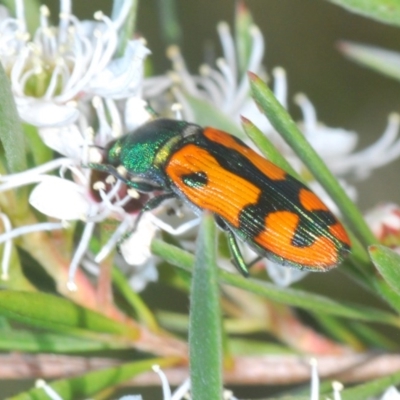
(195, 180)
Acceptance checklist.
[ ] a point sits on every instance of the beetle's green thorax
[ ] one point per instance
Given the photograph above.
(144, 152)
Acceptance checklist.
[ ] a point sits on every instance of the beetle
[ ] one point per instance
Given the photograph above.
(251, 198)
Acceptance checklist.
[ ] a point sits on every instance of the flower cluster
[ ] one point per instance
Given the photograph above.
(73, 85)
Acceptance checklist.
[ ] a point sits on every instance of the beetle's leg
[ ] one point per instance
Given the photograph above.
(255, 261)
(237, 258)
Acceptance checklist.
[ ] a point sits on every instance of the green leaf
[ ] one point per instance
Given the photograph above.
(268, 150)
(383, 61)
(288, 296)
(40, 152)
(44, 342)
(89, 384)
(55, 313)
(205, 331)
(287, 128)
(387, 262)
(387, 11)
(144, 314)
(206, 114)
(169, 22)
(373, 388)
(339, 330)
(373, 338)
(11, 134)
(248, 347)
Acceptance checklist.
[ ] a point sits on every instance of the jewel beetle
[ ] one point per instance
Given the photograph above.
(252, 199)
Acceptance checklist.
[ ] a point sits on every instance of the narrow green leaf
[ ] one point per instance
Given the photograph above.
(248, 347)
(387, 262)
(283, 123)
(268, 150)
(144, 314)
(43, 342)
(339, 331)
(170, 26)
(205, 340)
(89, 384)
(288, 296)
(370, 389)
(40, 153)
(387, 11)
(384, 61)
(373, 338)
(11, 135)
(55, 313)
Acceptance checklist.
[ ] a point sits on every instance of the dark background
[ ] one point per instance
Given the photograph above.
(301, 36)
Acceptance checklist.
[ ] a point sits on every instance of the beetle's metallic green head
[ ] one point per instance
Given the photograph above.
(138, 157)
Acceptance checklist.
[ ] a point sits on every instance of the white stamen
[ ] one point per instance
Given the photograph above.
(280, 85)
(90, 266)
(228, 46)
(41, 384)
(174, 54)
(189, 113)
(20, 14)
(212, 80)
(314, 395)
(337, 388)
(65, 12)
(104, 131)
(186, 226)
(122, 171)
(383, 151)
(25, 230)
(230, 84)
(116, 123)
(164, 382)
(31, 175)
(111, 179)
(112, 242)
(133, 193)
(44, 17)
(98, 15)
(79, 252)
(182, 390)
(257, 52)
(99, 185)
(124, 11)
(176, 108)
(309, 113)
(5, 262)
(94, 155)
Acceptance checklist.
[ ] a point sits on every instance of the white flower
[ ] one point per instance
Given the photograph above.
(52, 71)
(223, 87)
(335, 145)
